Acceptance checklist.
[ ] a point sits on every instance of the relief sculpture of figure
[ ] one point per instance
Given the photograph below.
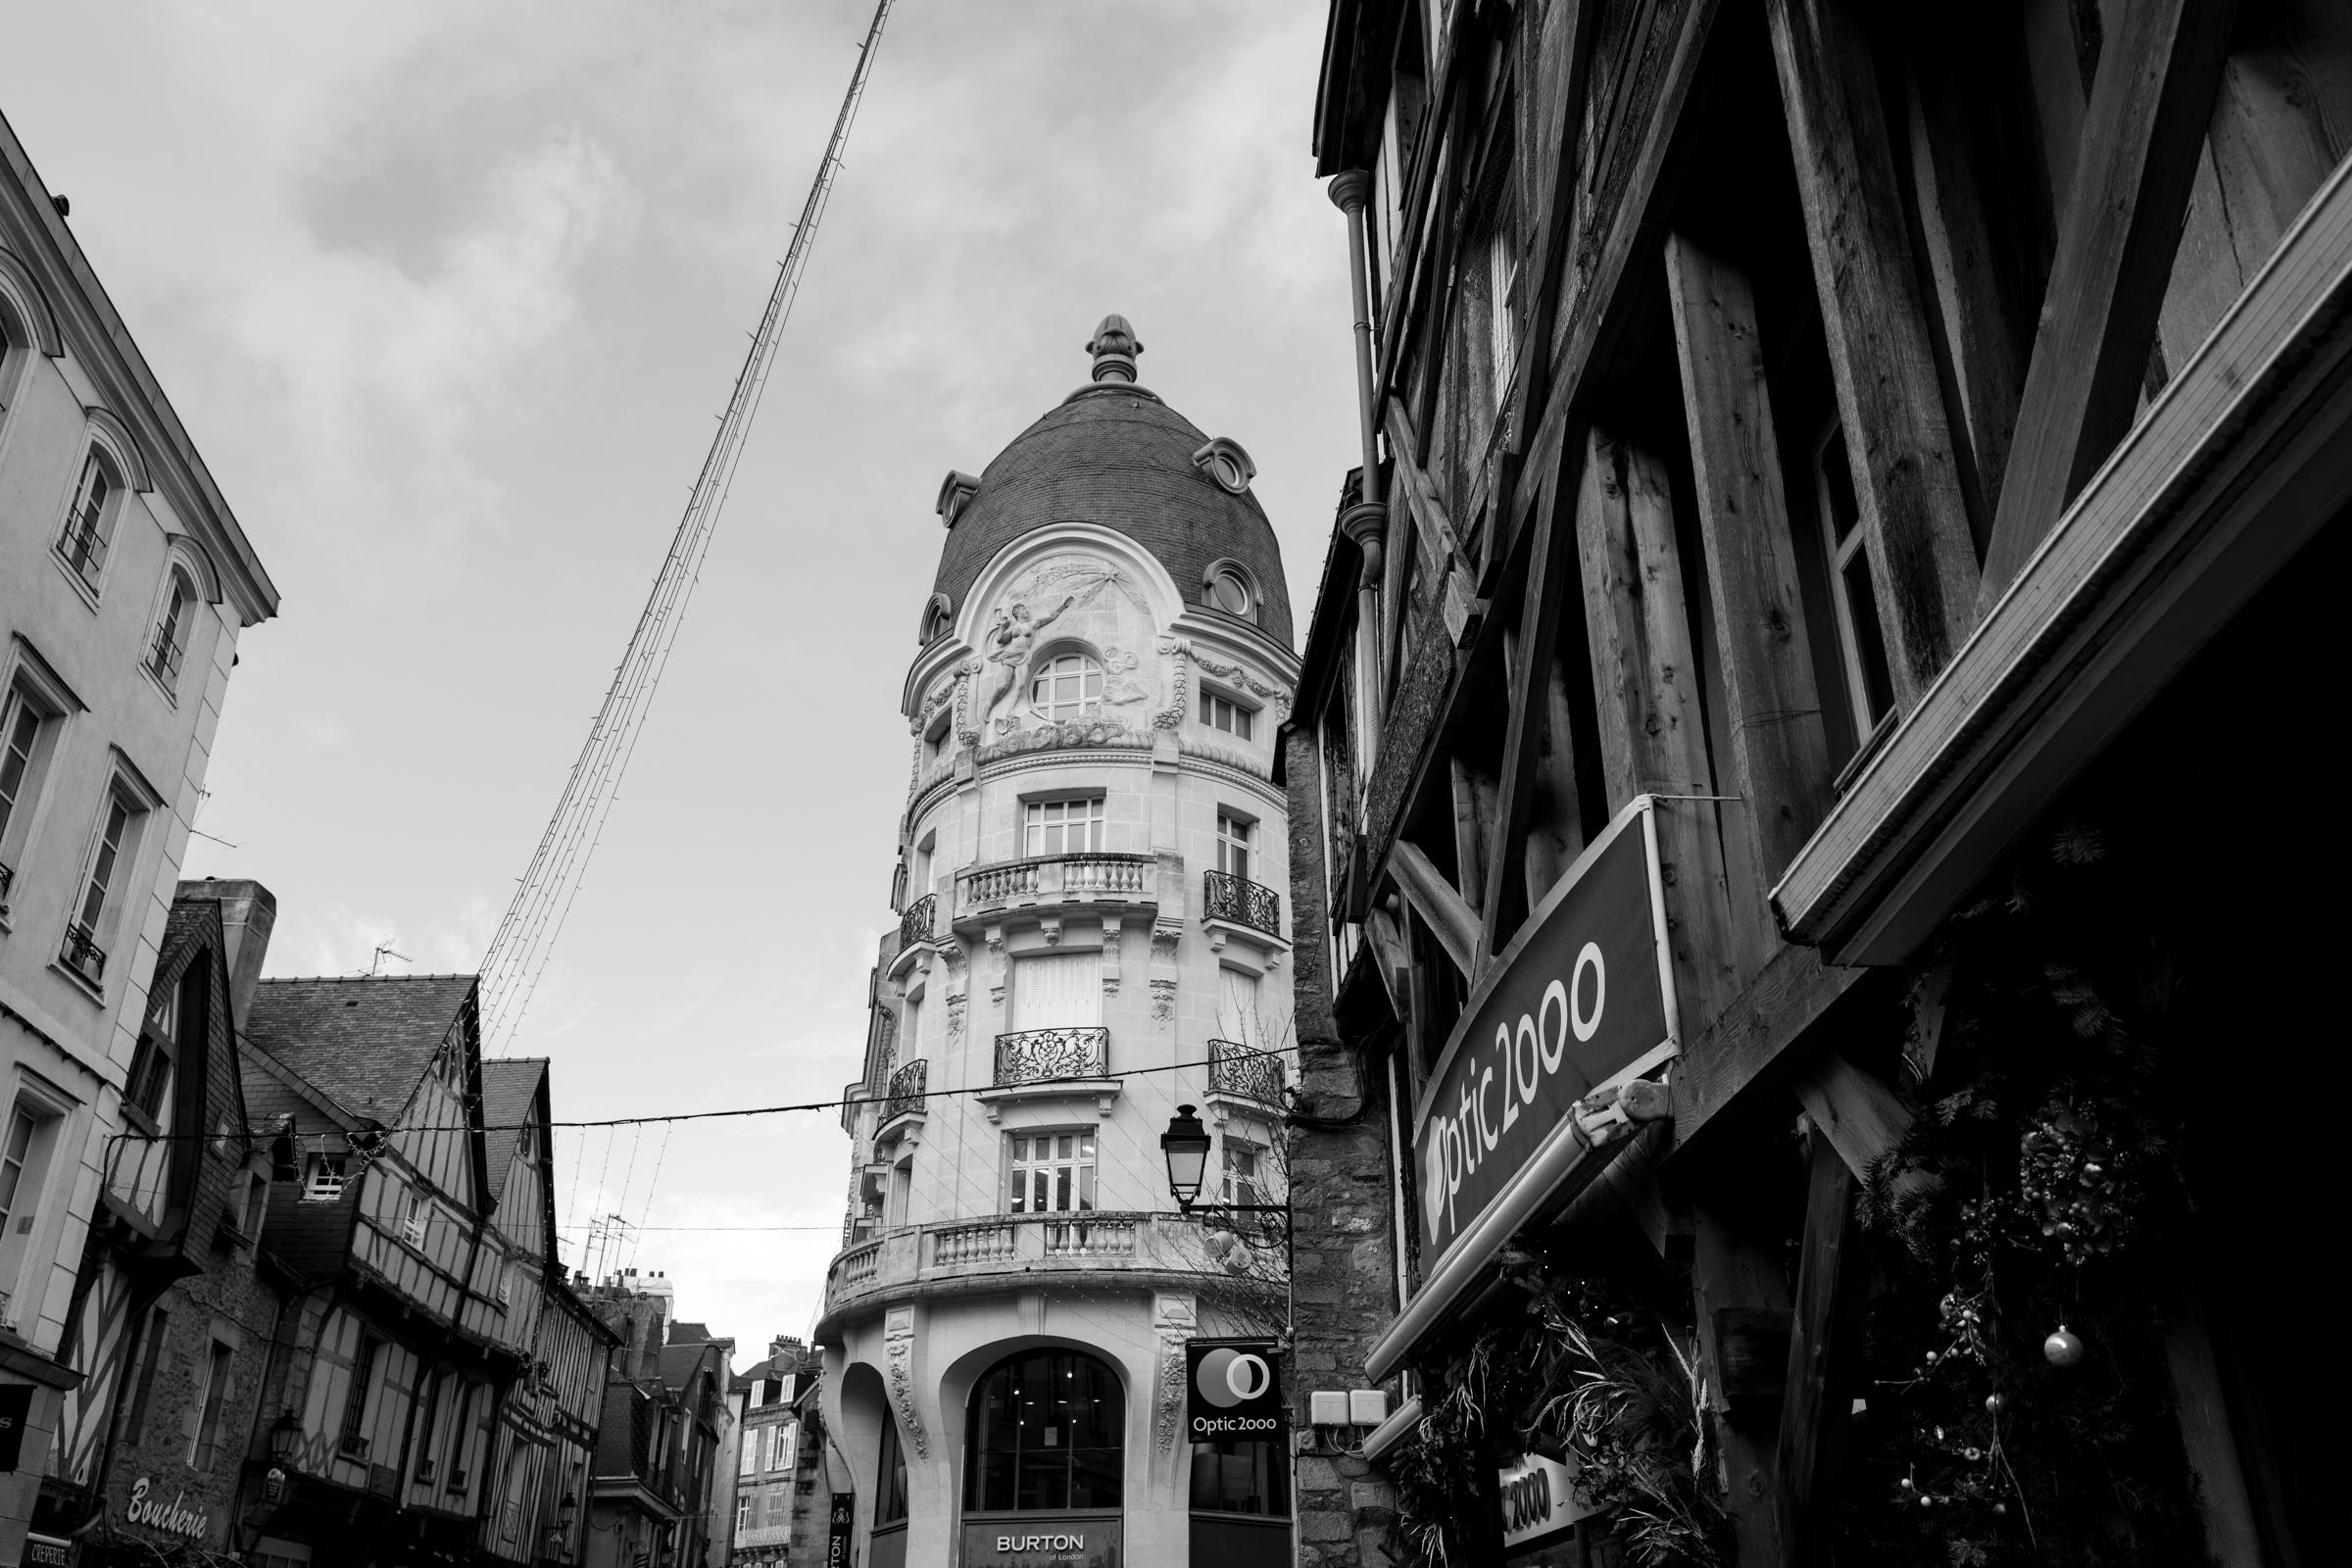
(1011, 640)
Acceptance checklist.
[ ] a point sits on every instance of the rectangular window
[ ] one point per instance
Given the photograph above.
(787, 1442)
(1063, 827)
(454, 1472)
(355, 1404)
(748, 1461)
(1868, 687)
(413, 1218)
(1234, 838)
(1055, 991)
(151, 1356)
(23, 1168)
(323, 1180)
(216, 1395)
(1221, 712)
(1245, 1173)
(743, 1510)
(83, 541)
(1239, 1021)
(1051, 1173)
(22, 723)
(84, 949)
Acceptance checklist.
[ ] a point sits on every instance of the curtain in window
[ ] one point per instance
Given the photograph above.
(1056, 990)
(1237, 1010)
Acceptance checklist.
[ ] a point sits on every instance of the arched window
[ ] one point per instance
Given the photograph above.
(1064, 687)
(1045, 1430)
(90, 520)
(170, 644)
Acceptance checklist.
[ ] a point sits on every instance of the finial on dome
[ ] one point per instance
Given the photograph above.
(1114, 347)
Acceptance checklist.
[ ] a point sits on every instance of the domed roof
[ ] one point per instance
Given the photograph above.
(1113, 454)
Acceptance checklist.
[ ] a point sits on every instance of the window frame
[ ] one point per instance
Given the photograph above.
(114, 887)
(1236, 851)
(92, 533)
(1861, 640)
(30, 691)
(315, 1171)
(172, 629)
(1109, 1459)
(1239, 717)
(1080, 1169)
(1047, 667)
(1035, 826)
(205, 1443)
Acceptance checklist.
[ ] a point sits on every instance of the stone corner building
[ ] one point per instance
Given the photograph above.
(1845, 492)
(1091, 932)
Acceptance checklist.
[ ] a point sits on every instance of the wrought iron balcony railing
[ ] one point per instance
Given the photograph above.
(163, 659)
(916, 925)
(1086, 876)
(1035, 1055)
(1226, 897)
(906, 1090)
(83, 956)
(1237, 1070)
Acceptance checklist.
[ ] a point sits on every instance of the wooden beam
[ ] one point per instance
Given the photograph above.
(1824, 1346)
(1652, 735)
(1449, 919)
(1780, 748)
(1735, 1276)
(1555, 826)
(1742, 1053)
(2142, 137)
(1860, 1116)
(1549, 555)
(1923, 559)
(1473, 813)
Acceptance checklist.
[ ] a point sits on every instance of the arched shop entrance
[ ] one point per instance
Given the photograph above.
(1044, 1463)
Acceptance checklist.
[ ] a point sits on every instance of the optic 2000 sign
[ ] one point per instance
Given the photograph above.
(1578, 999)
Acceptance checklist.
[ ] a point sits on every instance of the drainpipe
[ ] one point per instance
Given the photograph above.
(1367, 522)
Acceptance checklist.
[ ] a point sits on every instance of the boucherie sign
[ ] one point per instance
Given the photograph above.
(1579, 998)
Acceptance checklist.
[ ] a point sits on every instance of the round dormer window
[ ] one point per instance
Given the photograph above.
(1229, 591)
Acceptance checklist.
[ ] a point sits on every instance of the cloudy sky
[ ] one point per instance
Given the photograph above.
(449, 296)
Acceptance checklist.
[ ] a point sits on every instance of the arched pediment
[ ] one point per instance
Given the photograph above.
(123, 445)
(25, 293)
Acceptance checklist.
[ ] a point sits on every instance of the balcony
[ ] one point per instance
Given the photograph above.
(916, 925)
(907, 1091)
(949, 1256)
(82, 955)
(1043, 1055)
(1242, 1073)
(1117, 880)
(1238, 901)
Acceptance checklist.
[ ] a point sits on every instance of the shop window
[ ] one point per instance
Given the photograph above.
(1045, 1430)
(890, 1496)
(1245, 1475)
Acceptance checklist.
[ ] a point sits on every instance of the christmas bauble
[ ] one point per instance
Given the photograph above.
(2062, 1348)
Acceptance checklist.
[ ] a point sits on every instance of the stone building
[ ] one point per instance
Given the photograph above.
(1844, 493)
(658, 1491)
(1091, 866)
(124, 583)
(780, 1493)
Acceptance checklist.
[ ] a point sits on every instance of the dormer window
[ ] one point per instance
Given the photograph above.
(1227, 465)
(1227, 587)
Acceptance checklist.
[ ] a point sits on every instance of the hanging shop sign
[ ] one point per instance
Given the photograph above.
(1539, 1502)
(47, 1552)
(1043, 1540)
(841, 1525)
(1232, 1389)
(16, 1408)
(1582, 999)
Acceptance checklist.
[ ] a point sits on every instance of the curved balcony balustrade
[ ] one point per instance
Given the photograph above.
(963, 1255)
(918, 923)
(1120, 881)
(1238, 901)
(1243, 1073)
(906, 1086)
(1040, 1056)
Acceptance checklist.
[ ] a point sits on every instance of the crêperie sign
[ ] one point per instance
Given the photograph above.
(1579, 998)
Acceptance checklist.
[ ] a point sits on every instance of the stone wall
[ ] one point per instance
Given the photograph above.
(1344, 1281)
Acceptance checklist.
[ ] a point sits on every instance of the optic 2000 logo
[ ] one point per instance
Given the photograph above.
(1228, 1379)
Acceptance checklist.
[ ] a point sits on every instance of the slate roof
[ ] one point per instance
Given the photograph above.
(682, 1331)
(364, 1043)
(510, 1085)
(1116, 456)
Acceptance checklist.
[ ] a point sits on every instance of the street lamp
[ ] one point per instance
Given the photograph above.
(1184, 1145)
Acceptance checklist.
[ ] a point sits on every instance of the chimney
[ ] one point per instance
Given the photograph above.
(248, 914)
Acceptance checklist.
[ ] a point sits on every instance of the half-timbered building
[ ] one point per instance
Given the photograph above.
(1845, 494)
(171, 1320)
(412, 1312)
